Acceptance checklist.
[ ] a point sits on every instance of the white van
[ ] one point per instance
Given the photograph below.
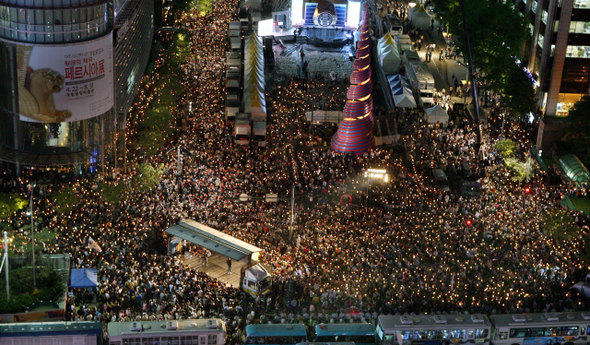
(255, 279)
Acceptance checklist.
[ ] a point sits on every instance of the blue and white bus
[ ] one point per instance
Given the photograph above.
(359, 333)
(568, 328)
(433, 329)
(276, 334)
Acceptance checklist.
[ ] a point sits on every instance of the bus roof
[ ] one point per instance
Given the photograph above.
(344, 329)
(116, 329)
(391, 323)
(31, 328)
(502, 320)
(275, 330)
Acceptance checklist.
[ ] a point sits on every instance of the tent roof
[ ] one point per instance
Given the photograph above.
(437, 114)
(214, 240)
(402, 94)
(83, 278)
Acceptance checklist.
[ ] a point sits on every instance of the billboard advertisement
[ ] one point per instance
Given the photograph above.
(64, 83)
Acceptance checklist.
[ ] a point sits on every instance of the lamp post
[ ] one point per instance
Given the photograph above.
(32, 234)
(5, 262)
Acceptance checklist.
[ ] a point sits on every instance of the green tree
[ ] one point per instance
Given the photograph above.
(497, 31)
(158, 124)
(506, 147)
(150, 141)
(147, 177)
(65, 198)
(10, 203)
(518, 95)
(112, 193)
(560, 224)
(578, 130)
(21, 284)
(22, 245)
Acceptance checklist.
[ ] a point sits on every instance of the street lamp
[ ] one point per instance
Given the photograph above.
(32, 233)
(5, 262)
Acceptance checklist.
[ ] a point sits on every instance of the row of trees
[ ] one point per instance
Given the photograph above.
(497, 32)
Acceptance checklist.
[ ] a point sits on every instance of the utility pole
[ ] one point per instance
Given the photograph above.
(5, 262)
(471, 74)
(33, 236)
(292, 213)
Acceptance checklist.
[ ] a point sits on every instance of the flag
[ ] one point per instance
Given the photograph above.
(93, 245)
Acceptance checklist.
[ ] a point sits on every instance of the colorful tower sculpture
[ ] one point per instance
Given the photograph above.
(355, 132)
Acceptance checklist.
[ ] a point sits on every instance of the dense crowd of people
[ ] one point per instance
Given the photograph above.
(400, 246)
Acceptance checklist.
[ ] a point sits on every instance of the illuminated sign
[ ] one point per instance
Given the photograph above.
(64, 83)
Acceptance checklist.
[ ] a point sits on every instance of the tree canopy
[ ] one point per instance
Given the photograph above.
(10, 203)
(579, 128)
(66, 198)
(147, 177)
(497, 31)
(560, 225)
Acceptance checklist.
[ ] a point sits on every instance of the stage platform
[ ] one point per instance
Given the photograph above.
(317, 36)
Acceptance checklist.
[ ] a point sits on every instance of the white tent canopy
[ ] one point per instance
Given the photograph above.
(418, 16)
(254, 99)
(389, 56)
(437, 114)
(401, 92)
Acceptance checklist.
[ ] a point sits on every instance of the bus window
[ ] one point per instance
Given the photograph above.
(405, 334)
(417, 335)
(550, 332)
(481, 333)
(503, 335)
(443, 334)
(457, 334)
(517, 332)
(568, 330)
(537, 332)
(470, 334)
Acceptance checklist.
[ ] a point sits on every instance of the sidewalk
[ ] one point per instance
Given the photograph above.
(444, 70)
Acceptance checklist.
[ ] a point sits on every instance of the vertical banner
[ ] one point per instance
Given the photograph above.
(64, 83)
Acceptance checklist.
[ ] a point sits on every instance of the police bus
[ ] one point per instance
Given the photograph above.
(568, 328)
(177, 332)
(433, 329)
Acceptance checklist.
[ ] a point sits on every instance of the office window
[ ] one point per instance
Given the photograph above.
(534, 7)
(580, 27)
(582, 4)
(582, 52)
(544, 16)
(541, 40)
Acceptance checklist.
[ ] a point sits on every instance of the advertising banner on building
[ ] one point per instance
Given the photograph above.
(64, 83)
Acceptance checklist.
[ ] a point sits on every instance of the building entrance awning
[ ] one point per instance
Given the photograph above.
(214, 240)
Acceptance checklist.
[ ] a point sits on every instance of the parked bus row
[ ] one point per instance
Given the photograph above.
(566, 328)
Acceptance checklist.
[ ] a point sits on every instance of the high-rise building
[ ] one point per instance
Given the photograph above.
(69, 72)
(558, 54)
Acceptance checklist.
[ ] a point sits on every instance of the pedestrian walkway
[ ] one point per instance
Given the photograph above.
(442, 70)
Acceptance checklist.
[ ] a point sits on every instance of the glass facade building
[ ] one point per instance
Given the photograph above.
(558, 54)
(70, 70)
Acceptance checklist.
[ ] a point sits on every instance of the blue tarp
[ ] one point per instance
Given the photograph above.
(83, 278)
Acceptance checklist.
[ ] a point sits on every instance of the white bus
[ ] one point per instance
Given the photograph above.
(171, 332)
(570, 328)
(433, 329)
